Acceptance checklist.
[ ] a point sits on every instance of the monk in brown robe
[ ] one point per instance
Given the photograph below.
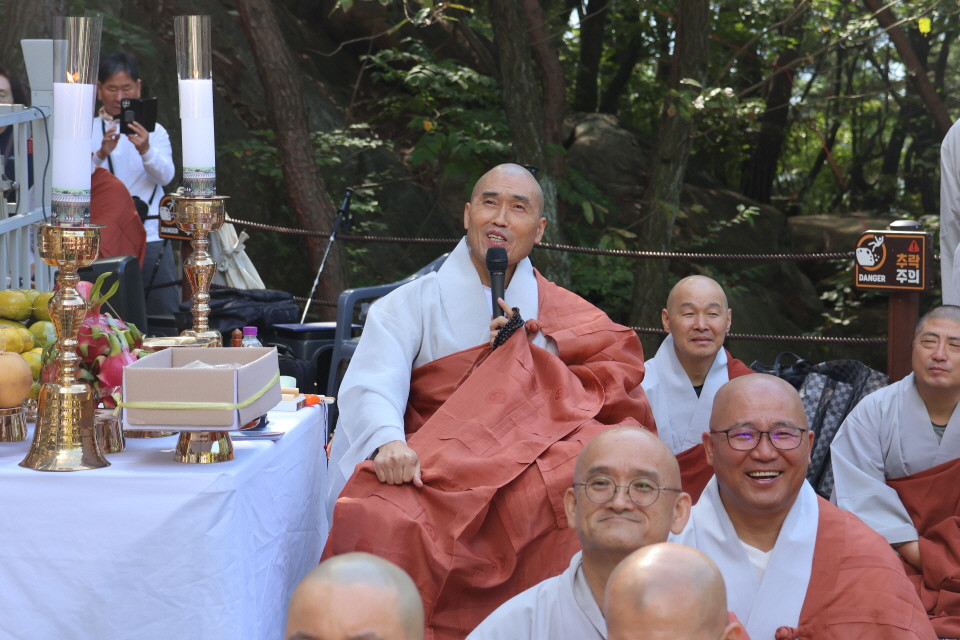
(896, 464)
(465, 489)
(690, 367)
(794, 565)
(112, 206)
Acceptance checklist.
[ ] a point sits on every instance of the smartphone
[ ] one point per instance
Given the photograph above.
(140, 110)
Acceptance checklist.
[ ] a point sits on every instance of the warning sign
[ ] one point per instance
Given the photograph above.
(893, 261)
(168, 228)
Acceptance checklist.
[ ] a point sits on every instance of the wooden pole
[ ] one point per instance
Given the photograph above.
(902, 317)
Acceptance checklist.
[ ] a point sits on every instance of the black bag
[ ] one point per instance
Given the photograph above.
(237, 308)
(305, 372)
(829, 391)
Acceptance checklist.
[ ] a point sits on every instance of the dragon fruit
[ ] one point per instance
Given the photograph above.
(108, 368)
(106, 345)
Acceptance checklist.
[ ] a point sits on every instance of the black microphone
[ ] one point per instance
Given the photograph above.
(497, 266)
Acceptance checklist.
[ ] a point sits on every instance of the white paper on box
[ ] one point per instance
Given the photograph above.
(199, 150)
(72, 165)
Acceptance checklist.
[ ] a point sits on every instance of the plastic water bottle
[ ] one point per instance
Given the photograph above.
(250, 338)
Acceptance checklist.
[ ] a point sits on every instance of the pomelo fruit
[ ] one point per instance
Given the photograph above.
(14, 305)
(43, 333)
(15, 379)
(40, 310)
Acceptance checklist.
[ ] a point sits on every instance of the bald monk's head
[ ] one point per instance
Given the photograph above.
(698, 318)
(356, 596)
(505, 210)
(759, 446)
(613, 522)
(668, 592)
(936, 353)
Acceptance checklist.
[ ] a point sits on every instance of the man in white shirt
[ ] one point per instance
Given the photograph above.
(668, 592)
(625, 496)
(950, 214)
(143, 161)
(896, 459)
(689, 368)
(794, 565)
(356, 596)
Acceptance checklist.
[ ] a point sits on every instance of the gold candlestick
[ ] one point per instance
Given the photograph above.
(199, 216)
(13, 424)
(64, 438)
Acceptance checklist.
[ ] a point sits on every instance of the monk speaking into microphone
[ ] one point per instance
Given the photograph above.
(690, 367)
(451, 457)
(794, 565)
(896, 465)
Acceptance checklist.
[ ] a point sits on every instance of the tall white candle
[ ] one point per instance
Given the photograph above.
(72, 128)
(196, 118)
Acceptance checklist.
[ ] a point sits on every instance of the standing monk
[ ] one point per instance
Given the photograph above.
(896, 465)
(689, 368)
(458, 455)
(795, 566)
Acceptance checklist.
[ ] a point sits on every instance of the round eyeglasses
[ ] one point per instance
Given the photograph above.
(747, 439)
(643, 492)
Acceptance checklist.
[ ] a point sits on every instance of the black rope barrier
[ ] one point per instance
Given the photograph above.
(621, 253)
(772, 338)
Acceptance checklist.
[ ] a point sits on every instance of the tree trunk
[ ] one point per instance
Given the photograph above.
(760, 170)
(627, 58)
(916, 71)
(521, 37)
(592, 28)
(661, 199)
(287, 106)
(26, 19)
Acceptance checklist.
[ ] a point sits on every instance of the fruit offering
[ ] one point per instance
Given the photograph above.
(106, 345)
(15, 379)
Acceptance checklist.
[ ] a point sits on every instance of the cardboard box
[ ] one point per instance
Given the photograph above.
(159, 377)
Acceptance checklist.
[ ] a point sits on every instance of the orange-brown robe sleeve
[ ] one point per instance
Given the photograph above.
(932, 498)
(858, 590)
(111, 205)
(497, 433)
(695, 472)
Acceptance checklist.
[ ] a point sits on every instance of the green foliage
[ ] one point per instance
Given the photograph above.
(117, 34)
(453, 111)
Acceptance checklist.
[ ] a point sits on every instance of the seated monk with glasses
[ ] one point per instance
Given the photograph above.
(794, 565)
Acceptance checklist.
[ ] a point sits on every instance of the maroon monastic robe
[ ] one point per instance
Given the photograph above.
(497, 434)
(857, 590)
(932, 498)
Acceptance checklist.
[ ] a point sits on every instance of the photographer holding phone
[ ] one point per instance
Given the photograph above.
(143, 161)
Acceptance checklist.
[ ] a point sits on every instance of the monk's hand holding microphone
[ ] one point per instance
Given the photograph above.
(396, 463)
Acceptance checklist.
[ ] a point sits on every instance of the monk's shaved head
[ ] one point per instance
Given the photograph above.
(611, 516)
(697, 318)
(759, 447)
(356, 596)
(700, 284)
(950, 312)
(655, 453)
(739, 389)
(511, 170)
(666, 592)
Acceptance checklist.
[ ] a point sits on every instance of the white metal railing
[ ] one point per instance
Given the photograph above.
(18, 269)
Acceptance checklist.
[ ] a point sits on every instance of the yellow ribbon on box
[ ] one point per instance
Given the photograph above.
(202, 406)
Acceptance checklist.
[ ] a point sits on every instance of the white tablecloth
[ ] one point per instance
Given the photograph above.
(150, 548)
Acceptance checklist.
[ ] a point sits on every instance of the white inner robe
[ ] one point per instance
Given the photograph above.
(559, 608)
(424, 320)
(765, 605)
(887, 436)
(950, 214)
(681, 416)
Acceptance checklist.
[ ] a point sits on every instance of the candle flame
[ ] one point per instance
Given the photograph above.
(73, 77)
